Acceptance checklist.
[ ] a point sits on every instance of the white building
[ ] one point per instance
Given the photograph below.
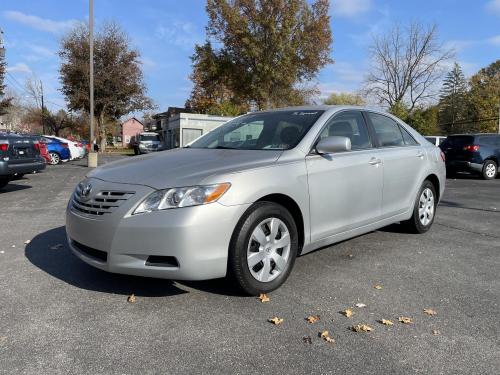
(183, 128)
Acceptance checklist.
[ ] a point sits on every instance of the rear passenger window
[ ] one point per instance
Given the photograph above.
(386, 130)
(349, 124)
(407, 137)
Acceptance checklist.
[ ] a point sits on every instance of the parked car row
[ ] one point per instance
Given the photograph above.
(21, 154)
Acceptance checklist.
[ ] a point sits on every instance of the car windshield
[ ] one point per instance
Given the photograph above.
(149, 137)
(278, 130)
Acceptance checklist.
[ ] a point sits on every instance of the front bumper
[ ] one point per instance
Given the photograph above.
(9, 169)
(197, 237)
(464, 166)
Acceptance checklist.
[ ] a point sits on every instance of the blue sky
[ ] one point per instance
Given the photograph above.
(165, 32)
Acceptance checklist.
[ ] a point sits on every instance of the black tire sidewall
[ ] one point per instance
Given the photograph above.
(237, 261)
(486, 163)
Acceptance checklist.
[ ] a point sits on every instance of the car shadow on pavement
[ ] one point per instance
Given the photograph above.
(49, 252)
(14, 187)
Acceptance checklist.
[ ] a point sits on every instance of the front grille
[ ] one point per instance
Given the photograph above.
(98, 255)
(102, 203)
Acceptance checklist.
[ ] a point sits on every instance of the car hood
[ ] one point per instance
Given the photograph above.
(182, 167)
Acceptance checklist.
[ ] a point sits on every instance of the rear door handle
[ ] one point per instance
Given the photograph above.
(375, 161)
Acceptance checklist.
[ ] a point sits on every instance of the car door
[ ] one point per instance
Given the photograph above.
(404, 163)
(345, 189)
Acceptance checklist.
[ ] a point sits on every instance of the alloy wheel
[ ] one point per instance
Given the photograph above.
(490, 170)
(54, 158)
(268, 250)
(426, 207)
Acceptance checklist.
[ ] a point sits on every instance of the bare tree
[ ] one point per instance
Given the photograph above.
(34, 90)
(406, 64)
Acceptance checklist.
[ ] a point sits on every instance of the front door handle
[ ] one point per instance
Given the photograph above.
(420, 154)
(375, 161)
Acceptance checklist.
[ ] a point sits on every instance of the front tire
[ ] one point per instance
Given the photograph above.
(263, 248)
(424, 209)
(490, 170)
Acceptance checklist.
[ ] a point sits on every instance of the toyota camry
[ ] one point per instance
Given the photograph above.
(245, 199)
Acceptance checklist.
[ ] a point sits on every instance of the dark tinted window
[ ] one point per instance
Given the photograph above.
(458, 141)
(349, 124)
(407, 137)
(490, 140)
(386, 130)
(148, 137)
(431, 139)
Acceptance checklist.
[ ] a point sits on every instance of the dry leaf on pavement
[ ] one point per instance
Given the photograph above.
(312, 318)
(378, 287)
(362, 328)
(329, 340)
(264, 298)
(27, 242)
(387, 322)
(430, 312)
(131, 298)
(436, 332)
(348, 313)
(360, 305)
(405, 320)
(325, 335)
(276, 321)
(307, 340)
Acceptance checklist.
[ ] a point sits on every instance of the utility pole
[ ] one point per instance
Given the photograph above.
(92, 157)
(498, 116)
(41, 91)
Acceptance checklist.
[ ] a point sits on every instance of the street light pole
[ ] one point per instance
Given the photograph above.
(92, 157)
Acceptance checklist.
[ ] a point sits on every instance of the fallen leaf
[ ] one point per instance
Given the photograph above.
(362, 328)
(276, 321)
(13, 246)
(436, 332)
(324, 334)
(430, 312)
(2, 252)
(56, 247)
(387, 322)
(27, 242)
(264, 298)
(307, 340)
(312, 318)
(329, 340)
(405, 320)
(348, 313)
(360, 305)
(131, 298)
(378, 287)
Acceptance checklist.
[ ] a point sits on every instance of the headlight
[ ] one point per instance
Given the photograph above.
(181, 197)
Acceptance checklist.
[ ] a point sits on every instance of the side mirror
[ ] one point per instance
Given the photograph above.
(333, 144)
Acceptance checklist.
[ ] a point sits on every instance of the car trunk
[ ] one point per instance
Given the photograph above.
(454, 147)
(21, 151)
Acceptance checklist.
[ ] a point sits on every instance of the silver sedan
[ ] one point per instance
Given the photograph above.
(246, 198)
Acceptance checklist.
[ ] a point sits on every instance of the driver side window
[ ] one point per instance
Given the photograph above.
(350, 124)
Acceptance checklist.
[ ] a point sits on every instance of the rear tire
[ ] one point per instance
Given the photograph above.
(490, 170)
(424, 209)
(256, 261)
(54, 158)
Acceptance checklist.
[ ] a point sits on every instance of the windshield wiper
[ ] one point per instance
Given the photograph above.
(224, 148)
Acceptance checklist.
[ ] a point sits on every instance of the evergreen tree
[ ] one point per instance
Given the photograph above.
(4, 102)
(453, 100)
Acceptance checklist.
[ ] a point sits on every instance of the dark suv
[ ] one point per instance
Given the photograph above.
(475, 153)
(18, 155)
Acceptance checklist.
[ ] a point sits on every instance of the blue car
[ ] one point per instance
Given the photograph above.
(58, 150)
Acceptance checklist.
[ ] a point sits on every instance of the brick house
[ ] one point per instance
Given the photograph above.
(129, 130)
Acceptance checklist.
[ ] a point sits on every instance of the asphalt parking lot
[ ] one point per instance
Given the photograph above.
(59, 315)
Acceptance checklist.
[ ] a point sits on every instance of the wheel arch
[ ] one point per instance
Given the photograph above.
(437, 185)
(291, 205)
